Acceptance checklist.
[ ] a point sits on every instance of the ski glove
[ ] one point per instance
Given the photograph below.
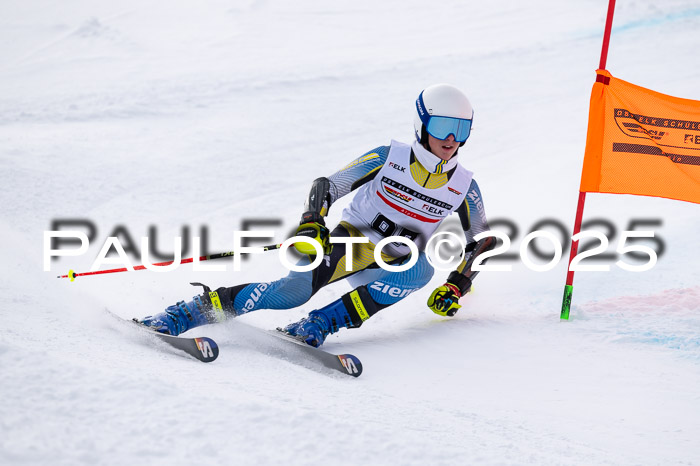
(444, 300)
(313, 226)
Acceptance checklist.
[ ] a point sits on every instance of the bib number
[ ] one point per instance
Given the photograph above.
(386, 228)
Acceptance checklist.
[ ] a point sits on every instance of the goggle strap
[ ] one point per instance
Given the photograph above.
(422, 111)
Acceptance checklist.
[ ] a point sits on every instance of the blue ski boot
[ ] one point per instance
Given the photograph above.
(347, 312)
(180, 317)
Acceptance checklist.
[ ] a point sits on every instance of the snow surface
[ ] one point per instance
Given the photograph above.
(141, 113)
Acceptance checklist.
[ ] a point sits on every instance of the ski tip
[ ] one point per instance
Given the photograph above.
(352, 365)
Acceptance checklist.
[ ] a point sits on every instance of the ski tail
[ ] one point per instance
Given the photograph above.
(203, 348)
(352, 365)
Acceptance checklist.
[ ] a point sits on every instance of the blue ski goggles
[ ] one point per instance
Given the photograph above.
(441, 127)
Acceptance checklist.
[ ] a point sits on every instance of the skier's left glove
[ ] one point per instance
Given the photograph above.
(444, 300)
(313, 226)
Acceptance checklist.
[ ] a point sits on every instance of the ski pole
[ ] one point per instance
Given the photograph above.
(72, 275)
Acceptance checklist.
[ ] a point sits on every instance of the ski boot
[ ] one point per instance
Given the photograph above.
(347, 312)
(182, 316)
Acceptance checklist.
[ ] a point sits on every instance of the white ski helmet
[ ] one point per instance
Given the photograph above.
(448, 102)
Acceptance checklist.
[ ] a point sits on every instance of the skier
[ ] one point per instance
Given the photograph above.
(402, 190)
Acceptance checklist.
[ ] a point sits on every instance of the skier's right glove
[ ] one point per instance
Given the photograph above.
(444, 300)
(313, 226)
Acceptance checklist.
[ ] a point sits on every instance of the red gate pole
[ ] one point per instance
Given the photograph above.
(569, 287)
(606, 37)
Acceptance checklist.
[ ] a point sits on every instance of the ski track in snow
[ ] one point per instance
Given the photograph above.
(138, 115)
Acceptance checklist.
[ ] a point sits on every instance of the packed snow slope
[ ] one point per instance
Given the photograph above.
(140, 113)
